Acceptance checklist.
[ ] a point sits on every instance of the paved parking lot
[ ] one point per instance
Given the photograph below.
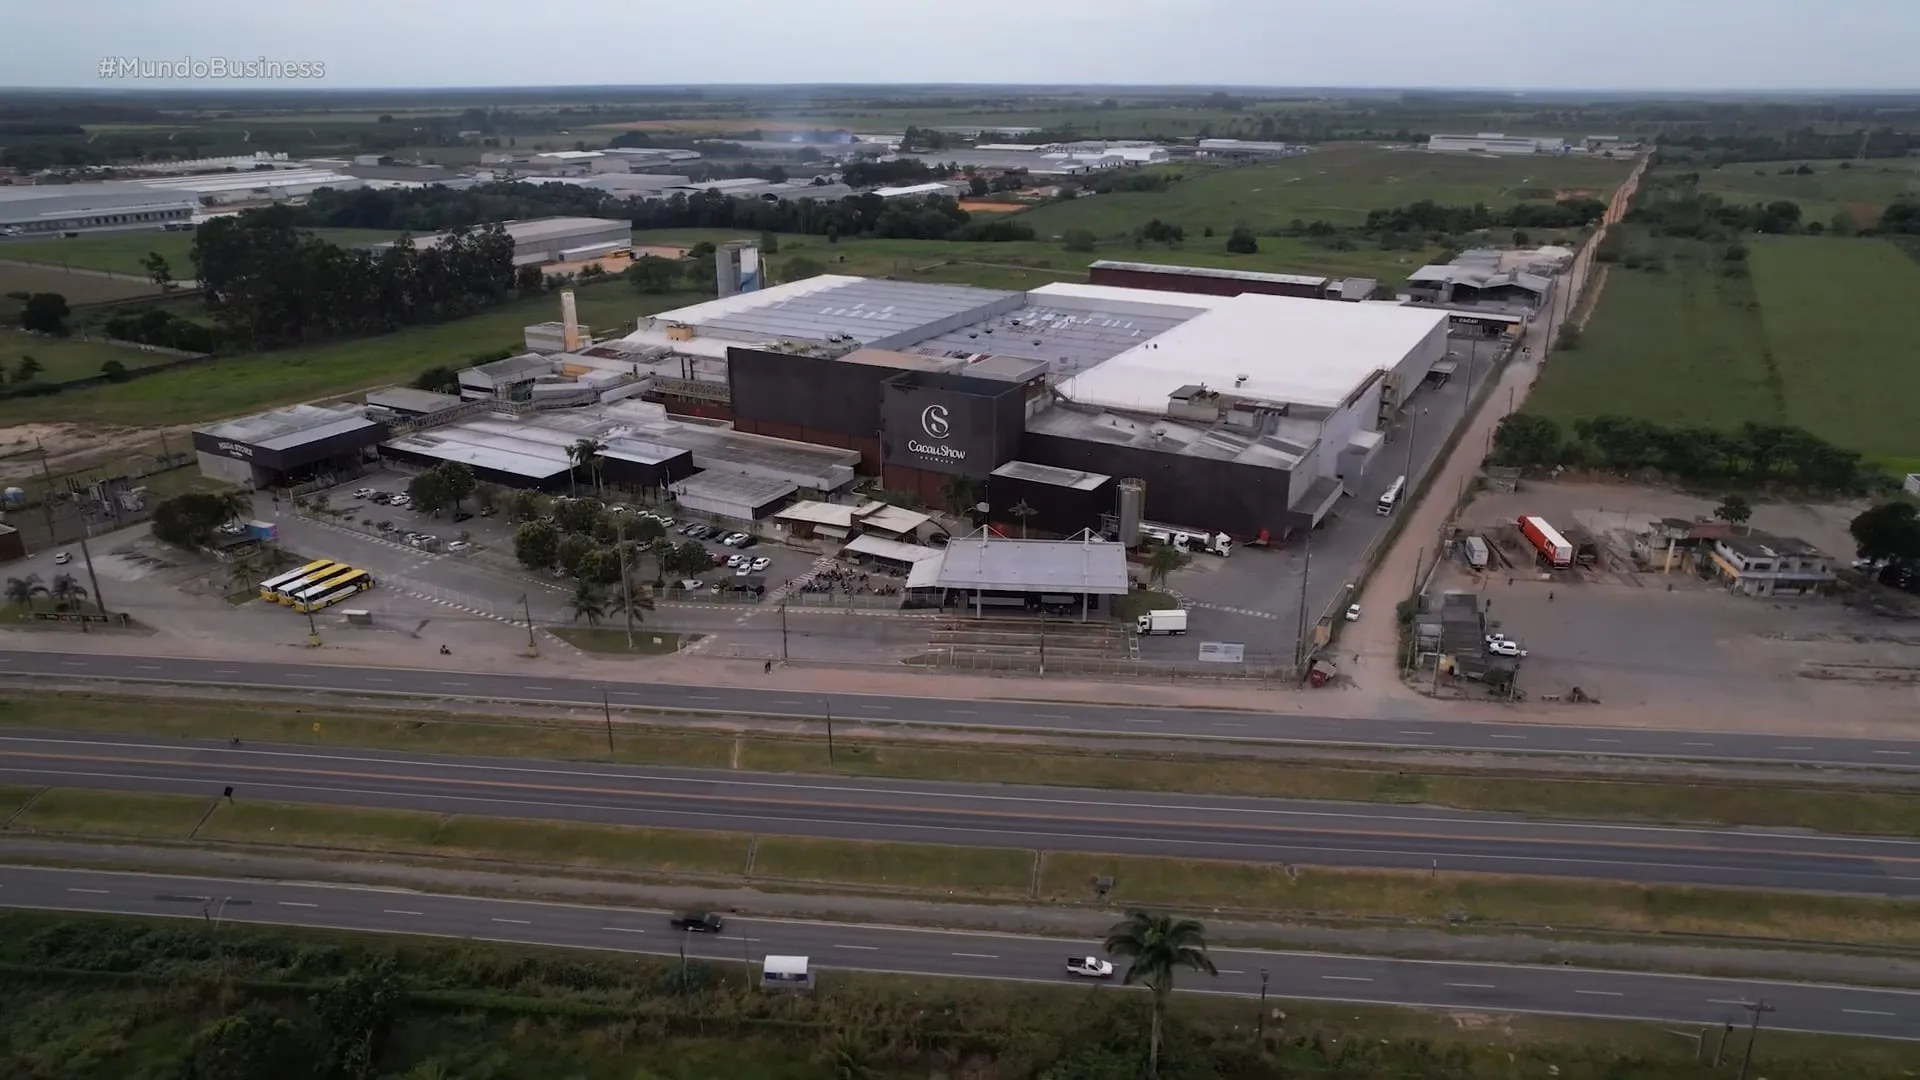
(1254, 595)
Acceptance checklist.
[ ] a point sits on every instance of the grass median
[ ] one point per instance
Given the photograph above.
(1467, 899)
(970, 870)
(112, 813)
(1770, 803)
(12, 799)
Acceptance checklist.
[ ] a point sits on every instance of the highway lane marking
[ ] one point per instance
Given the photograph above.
(147, 667)
(1345, 978)
(1138, 720)
(1894, 753)
(862, 948)
(622, 930)
(1472, 986)
(1519, 738)
(1696, 744)
(1416, 733)
(1793, 748)
(225, 671)
(1051, 716)
(296, 903)
(73, 663)
(547, 688)
(1866, 1012)
(962, 712)
(516, 922)
(380, 680)
(1230, 971)
(1727, 1001)
(1066, 819)
(1601, 993)
(788, 701)
(690, 697)
(397, 911)
(299, 675)
(1218, 724)
(453, 684)
(977, 955)
(1603, 740)
(96, 892)
(876, 708)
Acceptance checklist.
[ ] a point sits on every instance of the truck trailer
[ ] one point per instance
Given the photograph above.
(1476, 552)
(1163, 622)
(1547, 541)
(1185, 540)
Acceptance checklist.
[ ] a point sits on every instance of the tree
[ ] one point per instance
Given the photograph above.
(652, 274)
(27, 368)
(1159, 945)
(589, 602)
(536, 544)
(575, 552)
(1079, 240)
(977, 185)
(799, 268)
(960, 493)
(486, 497)
(66, 591)
(1021, 512)
(646, 530)
(439, 379)
(525, 506)
(428, 491)
(629, 598)
(189, 519)
(249, 1044)
(457, 476)
(46, 313)
(21, 591)
(688, 557)
(585, 453)
(1164, 559)
(356, 1015)
(1733, 510)
(584, 516)
(114, 370)
(157, 270)
(1526, 439)
(1241, 241)
(1890, 531)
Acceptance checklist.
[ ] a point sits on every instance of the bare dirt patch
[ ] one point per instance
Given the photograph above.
(1865, 215)
(69, 447)
(711, 125)
(991, 207)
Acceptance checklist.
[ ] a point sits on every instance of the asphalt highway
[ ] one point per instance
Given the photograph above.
(1058, 819)
(1678, 999)
(1054, 717)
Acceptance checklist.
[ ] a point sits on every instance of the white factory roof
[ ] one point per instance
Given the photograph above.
(829, 307)
(1289, 350)
(994, 564)
(295, 425)
(911, 190)
(895, 550)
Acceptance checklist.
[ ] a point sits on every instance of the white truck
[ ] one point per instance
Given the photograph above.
(1185, 540)
(1476, 550)
(1163, 622)
(1089, 967)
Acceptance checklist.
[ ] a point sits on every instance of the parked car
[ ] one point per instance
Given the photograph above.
(1353, 612)
(698, 922)
(743, 571)
(459, 546)
(736, 560)
(692, 584)
(365, 493)
(63, 558)
(734, 539)
(685, 530)
(760, 564)
(747, 540)
(718, 559)
(1505, 648)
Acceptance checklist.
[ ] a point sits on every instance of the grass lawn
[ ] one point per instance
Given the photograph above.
(123, 251)
(938, 867)
(1862, 188)
(119, 813)
(240, 384)
(613, 639)
(1842, 318)
(12, 799)
(1339, 185)
(64, 359)
(1825, 335)
(1566, 905)
(77, 288)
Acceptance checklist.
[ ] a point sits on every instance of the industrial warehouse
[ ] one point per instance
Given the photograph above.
(1072, 407)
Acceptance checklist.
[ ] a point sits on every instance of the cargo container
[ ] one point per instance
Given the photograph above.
(1172, 621)
(263, 531)
(1547, 541)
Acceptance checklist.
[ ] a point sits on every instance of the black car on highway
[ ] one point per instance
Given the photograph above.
(698, 922)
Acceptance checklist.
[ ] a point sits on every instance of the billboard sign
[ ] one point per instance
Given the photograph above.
(938, 430)
(1223, 652)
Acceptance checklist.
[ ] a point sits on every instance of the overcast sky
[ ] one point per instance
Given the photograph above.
(1613, 44)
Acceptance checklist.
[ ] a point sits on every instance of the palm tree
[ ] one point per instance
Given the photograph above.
(1022, 511)
(1160, 945)
(236, 504)
(244, 571)
(66, 590)
(589, 602)
(1164, 559)
(22, 590)
(586, 452)
(959, 493)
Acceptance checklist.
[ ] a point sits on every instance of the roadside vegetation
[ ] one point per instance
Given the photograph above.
(171, 999)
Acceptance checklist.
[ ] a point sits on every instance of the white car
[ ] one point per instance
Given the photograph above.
(1353, 612)
(363, 493)
(735, 539)
(736, 560)
(63, 558)
(458, 546)
(1505, 648)
(760, 564)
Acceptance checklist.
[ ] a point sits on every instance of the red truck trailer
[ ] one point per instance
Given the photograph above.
(1547, 541)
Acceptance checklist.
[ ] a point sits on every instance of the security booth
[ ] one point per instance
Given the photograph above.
(786, 973)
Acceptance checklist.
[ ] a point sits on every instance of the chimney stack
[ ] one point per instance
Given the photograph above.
(569, 323)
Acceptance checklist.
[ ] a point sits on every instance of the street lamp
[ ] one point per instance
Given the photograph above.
(1753, 1033)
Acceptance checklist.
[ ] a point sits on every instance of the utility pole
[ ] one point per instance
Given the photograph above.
(1753, 1033)
(1413, 592)
(87, 557)
(533, 648)
(606, 710)
(1260, 1035)
(1300, 630)
(626, 584)
(46, 497)
(826, 704)
(313, 631)
(783, 630)
(1413, 425)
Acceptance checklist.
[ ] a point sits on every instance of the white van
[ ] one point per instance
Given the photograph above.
(786, 973)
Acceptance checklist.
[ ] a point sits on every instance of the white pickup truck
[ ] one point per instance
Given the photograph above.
(1088, 967)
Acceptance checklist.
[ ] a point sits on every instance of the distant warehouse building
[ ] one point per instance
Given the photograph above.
(1492, 142)
(54, 208)
(288, 446)
(551, 240)
(1217, 281)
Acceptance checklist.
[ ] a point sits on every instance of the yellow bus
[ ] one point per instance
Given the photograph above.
(276, 588)
(323, 594)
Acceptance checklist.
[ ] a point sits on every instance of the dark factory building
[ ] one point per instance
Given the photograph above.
(287, 446)
(1056, 502)
(1206, 280)
(935, 425)
(822, 399)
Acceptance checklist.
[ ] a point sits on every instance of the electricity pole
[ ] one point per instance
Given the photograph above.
(533, 648)
(626, 583)
(827, 705)
(1753, 1033)
(1413, 425)
(1300, 630)
(606, 710)
(783, 631)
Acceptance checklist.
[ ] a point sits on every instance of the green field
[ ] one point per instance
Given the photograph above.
(122, 251)
(1031, 264)
(1825, 335)
(240, 384)
(1339, 185)
(1863, 188)
(79, 287)
(64, 359)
